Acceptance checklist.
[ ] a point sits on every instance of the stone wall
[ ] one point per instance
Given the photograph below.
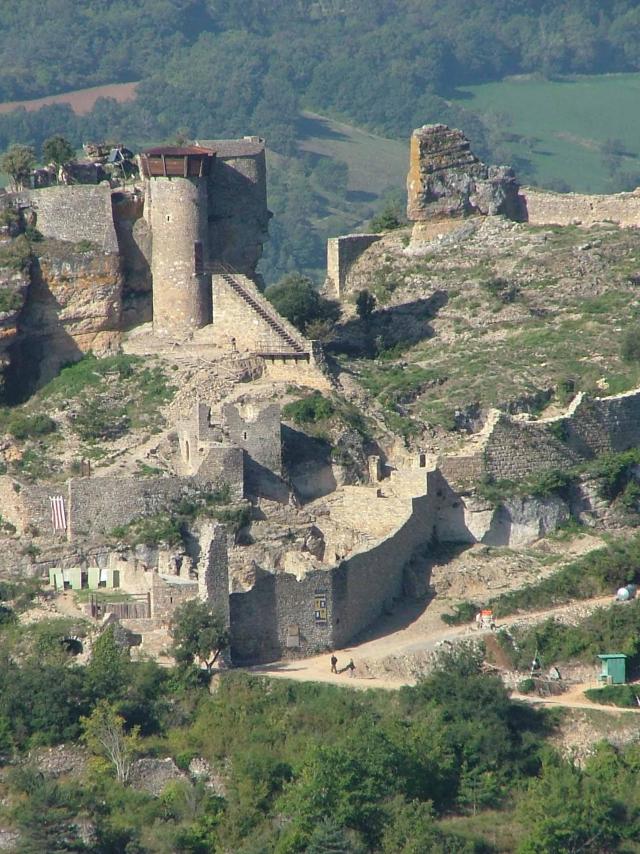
(134, 244)
(97, 505)
(367, 584)
(224, 464)
(514, 449)
(342, 253)
(356, 592)
(74, 213)
(304, 372)
(213, 569)
(167, 594)
(256, 429)
(238, 215)
(547, 208)
(242, 315)
(27, 505)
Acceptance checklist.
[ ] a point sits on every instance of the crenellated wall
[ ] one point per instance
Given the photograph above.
(513, 448)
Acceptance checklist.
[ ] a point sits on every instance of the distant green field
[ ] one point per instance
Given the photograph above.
(375, 163)
(561, 126)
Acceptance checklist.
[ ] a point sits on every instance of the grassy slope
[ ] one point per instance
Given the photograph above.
(562, 124)
(570, 309)
(375, 163)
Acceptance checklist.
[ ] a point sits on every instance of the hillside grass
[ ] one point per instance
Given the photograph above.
(375, 163)
(561, 126)
(97, 401)
(519, 319)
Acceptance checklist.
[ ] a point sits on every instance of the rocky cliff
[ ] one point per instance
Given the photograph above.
(70, 303)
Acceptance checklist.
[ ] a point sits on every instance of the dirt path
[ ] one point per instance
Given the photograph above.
(409, 633)
(575, 699)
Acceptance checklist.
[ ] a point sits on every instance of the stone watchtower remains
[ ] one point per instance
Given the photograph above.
(176, 206)
(205, 207)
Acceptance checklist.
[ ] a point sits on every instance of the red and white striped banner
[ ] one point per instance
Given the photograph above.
(58, 514)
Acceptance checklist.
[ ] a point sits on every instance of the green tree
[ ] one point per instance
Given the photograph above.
(58, 150)
(199, 633)
(109, 670)
(295, 298)
(389, 218)
(328, 837)
(104, 734)
(566, 811)
(45, 814)
(18, 162)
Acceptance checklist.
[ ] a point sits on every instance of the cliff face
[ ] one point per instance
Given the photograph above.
(73, 306)
(446, 180)
(14, 286)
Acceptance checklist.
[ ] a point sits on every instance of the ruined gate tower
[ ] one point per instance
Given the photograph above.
(176, 208)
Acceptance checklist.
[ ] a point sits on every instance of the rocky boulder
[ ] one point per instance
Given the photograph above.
(447, 181)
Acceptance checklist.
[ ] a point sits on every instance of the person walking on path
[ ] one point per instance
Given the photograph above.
(351, 668)
(334, 664)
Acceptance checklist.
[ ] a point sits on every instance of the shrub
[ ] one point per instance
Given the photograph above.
(614, 695)
(389, 218)
(365, 305)
(600, 571)
(630, 349)
(614, 471)
(100, 419)
(309, 410)
(501, 289)
(463, 612)
(151, 530)
(16, 254)
(22, 426)
(527, 686)
(295, 298)
(10, 300)
(548, 483)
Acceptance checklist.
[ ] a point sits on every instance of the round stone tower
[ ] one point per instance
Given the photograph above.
(176, 207)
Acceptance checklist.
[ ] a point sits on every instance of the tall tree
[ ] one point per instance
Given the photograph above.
(18, 162)
(57, 150)
(199, 634)
(104, 734)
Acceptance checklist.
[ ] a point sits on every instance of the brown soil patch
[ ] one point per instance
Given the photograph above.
(81, 100)
(495, 654)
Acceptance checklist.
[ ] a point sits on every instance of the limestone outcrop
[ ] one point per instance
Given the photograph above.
(74, 306)
(446, 180)
(14, 285)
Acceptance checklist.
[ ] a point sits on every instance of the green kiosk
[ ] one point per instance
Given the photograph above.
(614, 669)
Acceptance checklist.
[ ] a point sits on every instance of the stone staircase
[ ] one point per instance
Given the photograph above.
(292, 340)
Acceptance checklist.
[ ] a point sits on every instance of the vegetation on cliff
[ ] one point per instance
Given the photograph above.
(502, 314)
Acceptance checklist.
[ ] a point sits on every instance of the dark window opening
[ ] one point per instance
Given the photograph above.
(198, 256)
